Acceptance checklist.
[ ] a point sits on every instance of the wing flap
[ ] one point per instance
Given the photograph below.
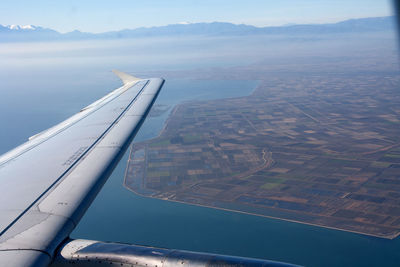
(141, 105)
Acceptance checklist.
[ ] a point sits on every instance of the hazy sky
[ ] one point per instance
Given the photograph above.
(106, 15)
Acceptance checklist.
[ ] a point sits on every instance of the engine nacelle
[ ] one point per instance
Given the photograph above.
(95, 253)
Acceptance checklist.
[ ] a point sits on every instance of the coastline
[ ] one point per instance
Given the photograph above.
(391, 237)
(177, 105)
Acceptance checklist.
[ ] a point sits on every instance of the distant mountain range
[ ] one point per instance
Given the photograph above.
(34, 33)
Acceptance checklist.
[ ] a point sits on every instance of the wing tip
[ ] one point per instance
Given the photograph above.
(126, 78)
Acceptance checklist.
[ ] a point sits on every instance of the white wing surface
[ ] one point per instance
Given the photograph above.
(47, 183)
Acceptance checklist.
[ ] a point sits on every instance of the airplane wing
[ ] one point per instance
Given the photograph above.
(47, 183)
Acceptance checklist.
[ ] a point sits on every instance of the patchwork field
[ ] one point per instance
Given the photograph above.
(321, 149)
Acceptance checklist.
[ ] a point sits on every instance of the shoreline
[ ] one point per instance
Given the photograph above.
(390, 237)
(176, 106)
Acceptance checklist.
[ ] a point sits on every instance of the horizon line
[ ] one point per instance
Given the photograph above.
(191, 23)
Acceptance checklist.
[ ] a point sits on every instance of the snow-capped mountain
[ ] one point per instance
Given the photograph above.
(18, 33)
(21, 33)
(22, 27)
